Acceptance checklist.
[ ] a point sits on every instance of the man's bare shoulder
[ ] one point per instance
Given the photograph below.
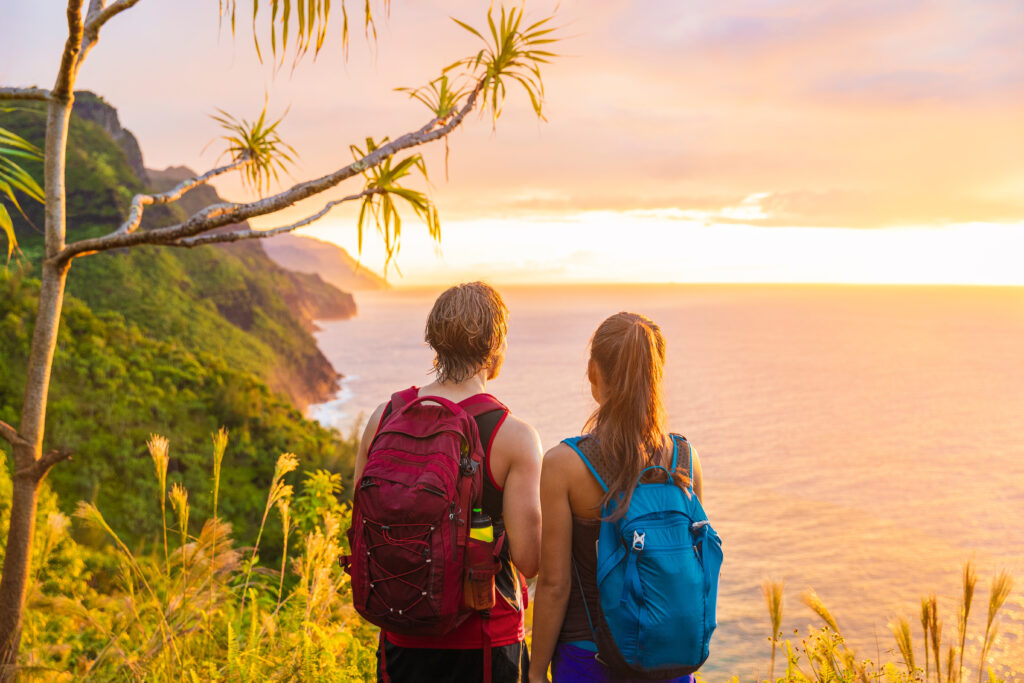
(379, 411)
(374, 421)
(518, 436)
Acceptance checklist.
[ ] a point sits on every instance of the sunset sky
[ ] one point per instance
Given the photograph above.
(755, 140)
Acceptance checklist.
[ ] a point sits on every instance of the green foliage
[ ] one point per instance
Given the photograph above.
(99, 181)
(258, 145)
(383, 182)
(155, 339)
(510, 54)
(440, 96)
(112, 385)
(14, 178)
(302, 21)
(442, 99)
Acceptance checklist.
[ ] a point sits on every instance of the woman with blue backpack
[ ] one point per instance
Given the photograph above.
(629, 564)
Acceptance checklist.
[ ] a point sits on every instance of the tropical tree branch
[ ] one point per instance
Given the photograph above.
(72, 48)
(24, 94)
(237, 235)
(95, 7)
(140, 201)
(98, 15)
(226, 213)
(39, 468)
(10, 434)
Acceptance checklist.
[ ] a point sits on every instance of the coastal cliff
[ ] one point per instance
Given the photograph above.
(232, 300)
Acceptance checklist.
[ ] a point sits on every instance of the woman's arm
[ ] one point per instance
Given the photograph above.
(554, 580)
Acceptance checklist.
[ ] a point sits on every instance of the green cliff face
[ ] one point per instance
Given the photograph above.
(173, 341)
(232, 300)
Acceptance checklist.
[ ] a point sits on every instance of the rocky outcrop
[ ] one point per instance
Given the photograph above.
(92, 107)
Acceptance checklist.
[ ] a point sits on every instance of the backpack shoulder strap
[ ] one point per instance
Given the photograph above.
(478, 404)
(400, 399)
(489, 414)
(574, 443)
(681, 449)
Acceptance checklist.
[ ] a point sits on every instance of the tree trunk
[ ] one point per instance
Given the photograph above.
(29, 465)
(17, 560)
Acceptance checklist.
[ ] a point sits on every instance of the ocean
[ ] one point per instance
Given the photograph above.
(861, 440)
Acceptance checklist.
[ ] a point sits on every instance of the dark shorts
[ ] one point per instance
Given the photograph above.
(509, 664)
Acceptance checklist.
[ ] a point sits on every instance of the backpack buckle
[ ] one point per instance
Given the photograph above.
(638, 540)
(469, 467)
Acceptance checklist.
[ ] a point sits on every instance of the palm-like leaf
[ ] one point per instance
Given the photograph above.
(511, 53)
(383, 180)
(442, 98)
(259, 145)
(304, 22)
(13, 179)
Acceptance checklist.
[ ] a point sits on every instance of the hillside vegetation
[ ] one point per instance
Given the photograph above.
(165, 340)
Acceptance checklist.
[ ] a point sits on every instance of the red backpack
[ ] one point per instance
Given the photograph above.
(411, 512)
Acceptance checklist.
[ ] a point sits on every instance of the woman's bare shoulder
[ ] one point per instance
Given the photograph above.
(563, 462)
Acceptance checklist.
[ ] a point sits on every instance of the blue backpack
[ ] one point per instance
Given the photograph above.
(657, 577)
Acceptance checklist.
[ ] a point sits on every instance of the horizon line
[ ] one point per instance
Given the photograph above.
(394, 286)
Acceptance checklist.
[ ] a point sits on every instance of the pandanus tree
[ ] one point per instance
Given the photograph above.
(512, 54)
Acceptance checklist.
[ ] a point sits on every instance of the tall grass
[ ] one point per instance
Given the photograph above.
(773, 598)
(823, 656)
(205, 609)
(1002, 584)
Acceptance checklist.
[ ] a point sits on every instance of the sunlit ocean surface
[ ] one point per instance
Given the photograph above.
(864, 441)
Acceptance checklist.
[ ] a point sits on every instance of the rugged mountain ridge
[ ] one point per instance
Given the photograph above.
(92, 107)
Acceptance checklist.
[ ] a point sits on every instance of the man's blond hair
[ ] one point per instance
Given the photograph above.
(466, 329)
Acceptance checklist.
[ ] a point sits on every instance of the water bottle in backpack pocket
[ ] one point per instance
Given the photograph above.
(481, 563)
(657, 579)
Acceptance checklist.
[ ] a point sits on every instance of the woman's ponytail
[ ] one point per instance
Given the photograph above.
(629, 351)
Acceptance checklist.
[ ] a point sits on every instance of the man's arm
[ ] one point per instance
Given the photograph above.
(364, 443)
(518, 444)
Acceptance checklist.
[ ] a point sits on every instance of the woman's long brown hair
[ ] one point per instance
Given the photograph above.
(629, 351)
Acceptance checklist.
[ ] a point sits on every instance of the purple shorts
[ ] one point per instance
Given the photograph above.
(572, 664)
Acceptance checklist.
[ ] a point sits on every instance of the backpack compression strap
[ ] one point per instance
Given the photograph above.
(680, 439)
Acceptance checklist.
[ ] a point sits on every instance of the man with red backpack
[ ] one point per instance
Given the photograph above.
(446, 509)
